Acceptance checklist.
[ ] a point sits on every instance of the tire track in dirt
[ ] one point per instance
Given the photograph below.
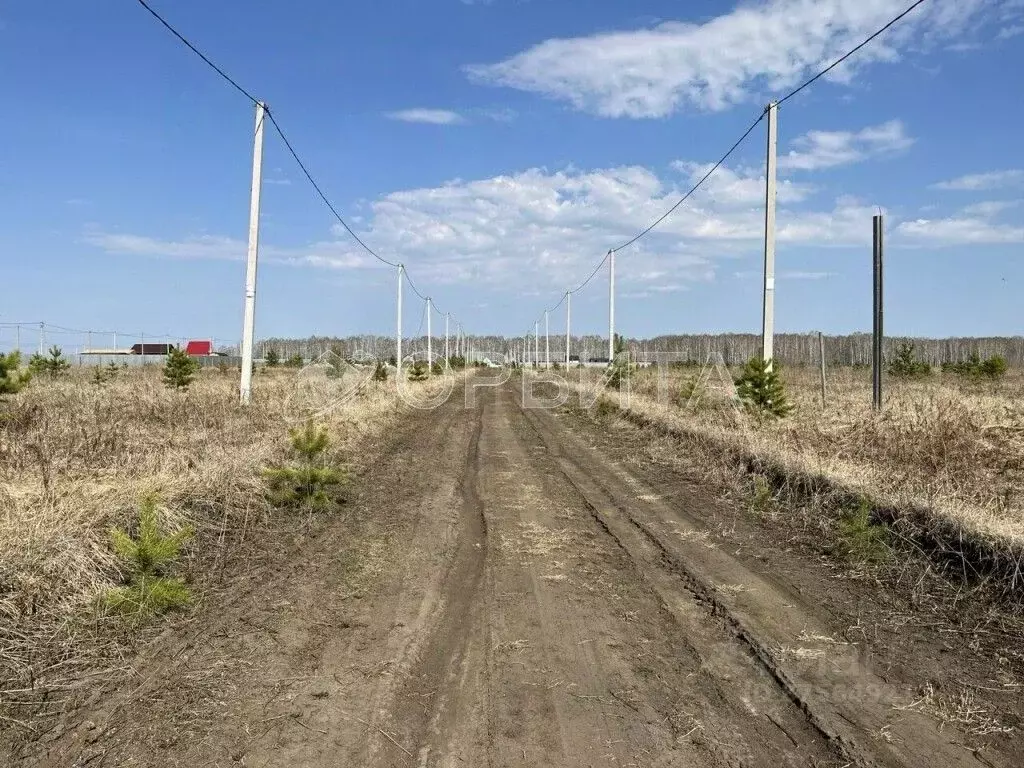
(426, 705)
(832, 684)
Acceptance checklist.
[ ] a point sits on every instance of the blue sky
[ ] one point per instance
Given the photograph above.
(498, 149)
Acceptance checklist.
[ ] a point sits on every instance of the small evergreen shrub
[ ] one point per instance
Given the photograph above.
(863, 539)
(761, 389)
(12, 378)
(53, 365)
(272, 359)
(147, 558)
(436, 369)
(180, 370)
(418, 371)
(295, 361)
(905, 364)
(305, 483)
(974, 367)
(380, 372)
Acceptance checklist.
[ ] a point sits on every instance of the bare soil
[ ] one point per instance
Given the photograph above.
(517, 587)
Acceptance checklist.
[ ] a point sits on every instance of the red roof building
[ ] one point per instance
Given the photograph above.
(199, 348)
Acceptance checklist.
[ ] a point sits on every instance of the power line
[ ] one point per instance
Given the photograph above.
(277, 127)
(696, 186)
(597, 269)
(848, 54)
(198, 53)
(323, 197)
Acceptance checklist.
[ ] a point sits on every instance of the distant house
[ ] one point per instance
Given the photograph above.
(151, 349)
(199, 349)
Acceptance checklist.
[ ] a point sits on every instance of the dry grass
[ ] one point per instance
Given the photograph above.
(945, 453)
(74, 460)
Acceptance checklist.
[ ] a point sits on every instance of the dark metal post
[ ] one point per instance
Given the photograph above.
(878, 332)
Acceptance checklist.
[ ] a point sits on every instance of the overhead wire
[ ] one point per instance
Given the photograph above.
(291, 149)
(744, 136)
(198, 53)
(848, 54)
(321, 194)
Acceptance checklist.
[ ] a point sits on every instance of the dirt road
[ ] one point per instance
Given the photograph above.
(503, 593)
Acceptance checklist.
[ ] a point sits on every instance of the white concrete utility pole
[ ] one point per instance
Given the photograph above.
(568, 322)
(611, 306)
(447, 356)
(768, 316)
(249, 320)
(547, 342)
(398, 326)
(430, 339)
(536, 344)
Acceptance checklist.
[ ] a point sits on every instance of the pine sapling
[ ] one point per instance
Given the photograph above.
(761, 389)
(418, 371)
(12, 378)
(380, 373)
(147, 558)
(272, 359)
(307, 480)
(180, 370)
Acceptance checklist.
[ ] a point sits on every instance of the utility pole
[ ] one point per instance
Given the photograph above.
(398, 327)
(430, 339)
(768, 315)
(536, 344)
(17, 337)
(611, 307)
(568, 322)
(547, 342)
(447, 317)
(878, 331)
(42, 338)
(249, 320)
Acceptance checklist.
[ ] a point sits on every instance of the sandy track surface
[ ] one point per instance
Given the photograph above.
(501, 592)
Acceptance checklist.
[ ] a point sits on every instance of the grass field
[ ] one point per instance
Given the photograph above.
(946, 454)
(75, 459)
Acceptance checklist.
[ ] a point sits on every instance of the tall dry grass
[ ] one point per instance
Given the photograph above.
(946, 451)
(75, 458)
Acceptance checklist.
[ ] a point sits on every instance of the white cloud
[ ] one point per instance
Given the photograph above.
(972, 225)
(827, 149)
(989, 209)
(544, 231)
(979, 181)
(324, 255)
(963, 230)
(429, 116)
(753, 51)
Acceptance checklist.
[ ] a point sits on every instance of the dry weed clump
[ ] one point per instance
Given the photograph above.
(945, 454)
(76, 458)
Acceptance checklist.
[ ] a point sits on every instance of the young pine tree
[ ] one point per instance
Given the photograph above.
(52, 365)
(180, 370)
(761, 389)
(272, 359)
(418, 371)
(147, 558)
(380, 373)
(12, 378)
(306, 481)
